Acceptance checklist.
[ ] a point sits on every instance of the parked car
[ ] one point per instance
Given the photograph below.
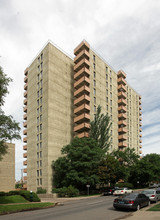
(109, 191)
(153, 185)
(132, 201)
(122, 191)
(153, 194)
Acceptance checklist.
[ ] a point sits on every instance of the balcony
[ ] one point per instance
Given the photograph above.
(25, 170)
(140, 146)
(83, 72)
(82, 127)
(140, 152)
(121, 81)
(140, 103)
(140, 97)
(82, 109)
(25, 94)
(121, 88)
(26, 72)
(81, 91)
(25, 162)
(25, 139)
(122, 109)
(122, 95)
(26, 86)
(140, 124)
(140, 130)
(25, 147)
(83, 45)
(140, 113)
(26, 79)
(82, 118)
(122, 102)
(122, 116)
(25, 124)
(83, 63)
(25, 102)
(81, 82)
(140, 108)
(122, 122)
(122, 130)
(25, 155)
(140, 141)
(122, 137)
(140, 135)
(140, 118)
(25, 132)
(83, 134)
(25, 116)
(122, 144)
(84, 99)
(25, 178)
(81, 55)
(121, 74)
(25, 109)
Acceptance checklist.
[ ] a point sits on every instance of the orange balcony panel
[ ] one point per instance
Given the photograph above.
(122, 102)
(140, 124)
(140, 108)
(122, 130)
(122, 122)
(82, 109)
(122, 137)
(140, 97)
(122, 144)
(140, 146)
(26, 86)
(140, 103)
(140, 130)
(140, 152)
(81, 91)
(25, 117)
(25, 94)
(121, 81)
(25, 101)
(121, 74)
(25, 170)
(25, 155)
(122, 109)
(83, 54)
(122, 95)
(121, 88)
(25, 131)
(82, 100)
(25, 139)
(81, 46)
(26, 79)
(140, 113)
(26, 72)
(83, 63)
(25, 147)
(25, 178)
(140, 118)
(83, 126)
(83, 81)
(82, 118)
(122, 116)
(140, 135)
(25, 124)
(25, 109)
(83, 72)
(25, 162)
(140, 141)
(83, 134)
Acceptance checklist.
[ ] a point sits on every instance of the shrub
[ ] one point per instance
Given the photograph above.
(129, 185)
(41, 191)
(2, 193)
(32, 197)
(69, 191)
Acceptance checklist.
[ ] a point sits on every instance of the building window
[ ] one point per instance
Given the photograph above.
(40, 144)
(111, 87)
(37, 128)
(40, 127)
(40, 109)
(94, 82)
(41, 66)
(94, 74)
(107, 69)
(106, 91)
(40, 136)
(40, 172)
(40, 118)
(110, 80)
(94, 66)
(107, 84)
(94, 58)
(40, 154)
(107, 107)
(111, 110)
(110, 73)
(38, 102)
(41, 74)
(94, 100)
(38, 94)
(40, 181)
(107, 99)
(41, 91)
(42, 56)
(38, 59)
(41, 100)
(41, 82)
(37, 155)
(94, 91)
(37, 119)
(94, 108)
(37, 172)
(110, 95)
(37, 137)
(106, 76)
(37, 164)
(37, 146)
(40, 163)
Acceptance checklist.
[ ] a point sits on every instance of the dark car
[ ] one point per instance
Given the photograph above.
(133, 201)
(108, 191)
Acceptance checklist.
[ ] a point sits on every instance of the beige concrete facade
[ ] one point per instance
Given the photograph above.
(7, 169)
(61, 97)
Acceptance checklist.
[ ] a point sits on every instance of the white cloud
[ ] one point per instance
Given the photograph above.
(125, 33)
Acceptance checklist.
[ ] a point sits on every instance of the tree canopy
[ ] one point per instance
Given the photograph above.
(100, 129)
(79, 164)
(9, 128)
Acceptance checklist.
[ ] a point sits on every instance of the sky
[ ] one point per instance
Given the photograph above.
(125, 33)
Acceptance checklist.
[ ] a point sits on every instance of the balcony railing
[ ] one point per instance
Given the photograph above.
(81, 46)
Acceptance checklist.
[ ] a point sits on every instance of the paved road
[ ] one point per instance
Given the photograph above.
(99, 208)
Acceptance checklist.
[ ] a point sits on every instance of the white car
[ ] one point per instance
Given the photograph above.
(122, 191)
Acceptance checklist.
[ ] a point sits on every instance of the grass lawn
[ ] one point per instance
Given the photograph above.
(12, 199)
(155, 208)
(14, 208)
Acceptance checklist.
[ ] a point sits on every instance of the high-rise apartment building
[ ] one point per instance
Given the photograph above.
(61, 97)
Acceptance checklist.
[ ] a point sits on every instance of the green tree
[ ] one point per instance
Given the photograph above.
(110, 171)
(79, 164)
(100, 129)
(9, 129)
